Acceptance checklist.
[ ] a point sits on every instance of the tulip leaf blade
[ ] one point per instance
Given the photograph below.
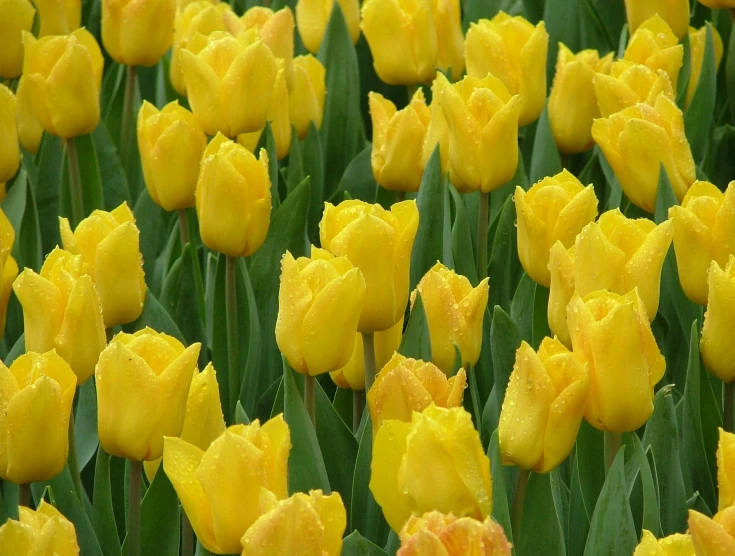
(505, 338)
(501, 495)
(89, 167)
(665, 197)
(541, 531)
(154, 224)
(85, 423)
(462, 253)
(589, 455)
(614, 191)
(20, 207)
(358, 180)
(115, 188)
(51, 164)
(159, 517)
(267, 141)
(357, 545)
(155, 316)
(505, 269)
(104, 515)
(578, 524)
(416, 342)
(700, 112)
(639, 477)
(522, 307)
(546, 160)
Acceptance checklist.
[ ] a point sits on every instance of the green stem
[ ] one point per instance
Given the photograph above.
(183, 227)
(309, 401)
(233, 346)
(727, 420)
(613, 442)
(400, 196)
(518, 497)
(136, 471)
(368, 345)
(358, 406)
(187, 535)
(483, 214)
(127, 128)
(24, 495)
(75, 183)
(73, 460)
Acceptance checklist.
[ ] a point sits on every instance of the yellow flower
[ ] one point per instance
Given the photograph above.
(437, 533)
(58, 17)
(655, 45)
(233, 198)
(697, 43)
(454, 312)
(379, 243)
(40, 532)
(514, 51)
(143, 382)
(674, 12)
(449, 36)
(230, 82)
(137, 32)
(629, 84)
(63, 75)
(306, 98)
(554, 209)
(276, 30)
(9, 151)
(713, 536)
(611, 334)
(704, 231)
(726, 470)
(109, 242)
(36, 396)
(435, 462)
(404, 386)
(352, 375)
(398, 141)
(62, 311)
(717, 332)
(483, 132)
(543, 407)
(718, 4)
(673, 545)
(220, 487)
(319, 305)
(402, 38)
(312, 17)
(438, 131)
(309, 524)
(8, 267)
(17, 17)
(30, 130)
(572, 102)
(638, 140)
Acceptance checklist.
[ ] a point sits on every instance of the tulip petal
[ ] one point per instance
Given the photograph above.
(43, 310)
(716, 342)
(17, 537)
(203, 88)
(389, 448)
(276, 451)
(500, 146)
(709, 537)
(643, 269)
(203, 421)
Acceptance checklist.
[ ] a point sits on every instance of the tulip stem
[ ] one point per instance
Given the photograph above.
(183, 227)
(400, 196)
(187, 535)
(73, 460)
(727, 420)
(309, 398)
(75, 182)
(518, 498)
(482, 223)
(126, 127)
(358, 406)
(368, 342)
(613, 442)
(24, 495)
(233, 356)
(136, 471)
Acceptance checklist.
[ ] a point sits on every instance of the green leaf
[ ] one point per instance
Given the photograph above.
(505, 338)
(159, 517)
(614, 191)
(501, 492)
(85, 423)
(357, 545)
(639, 474)
(462, 252)
(154, 224)
(700, 112)
(541, 531)
(104, 515)
(50, 170)
(504, 268)
(589, 455)
(18, 349)
(248, 393)
(89, 169)
(115, 189)
(416, 342)
(155, 316)
(682, 81)
(358, 181)
(267, 141)
(578, 524)
(665, 197)
(546, 160)
(521, 308)
(241, 418)
(313, 163)
(20, 207)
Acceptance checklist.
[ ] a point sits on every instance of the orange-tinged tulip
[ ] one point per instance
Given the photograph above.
(30, 130)
(58, 17)
(718, 333)
(17, 17)
(673, 545)
(40, 532)
(713, 536)
(9, 150)
(629, 84)
(449, 36)
(674, 12)
(306, 98)
(726, 470)
(137, 32)
(655, 45)
(312, 17)
(697, 43)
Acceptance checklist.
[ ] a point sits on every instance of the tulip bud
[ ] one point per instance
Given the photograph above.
(543, 407)
(704, 231)
(220, 487)
(713, 536)
(673, 545)
(572, 103)
(30, 130)
(62, 311)
(629, 84)
(44, 531)
(310, 524)
(398, 141)
(276, 30)
(9, 151)
(109, 242)
(726, 469)
(514, 51)
(437, 533)
(36, 396)
(638, 140)
(306, 99)
(655, 45)
(379, 243)
(718, 334)
(137, 32)
(312, 17)
(674, 12)
(406, 385)
(233, 198)
(63, 75)
(403, 40)
(143, 382)
(230, 82)
(483, 132)
(171, 144)
(17, 17)
(624, 375)
(697, 43)
(454, 312)
(438, 131)
(58, 17)
(554, 209)
(449, 36)
(408, 458)
(319, 305)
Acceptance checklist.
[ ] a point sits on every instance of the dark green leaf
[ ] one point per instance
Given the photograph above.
(358, 180)
(115, 182)
(541, 531)
(521, 308)
(505, 338)
(501, 490)
(155, 316)
(357, 545)
(20, 207)
(590, 458)
(700, 112)
(104, 516)
(159, 517)
(89, 169)
(546, 160)
(462, 252)
(416, 342)
(504, 269)
(50, 169)
(85, 423)
(153, 223)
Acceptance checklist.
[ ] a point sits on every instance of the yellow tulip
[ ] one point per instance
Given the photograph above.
(454, 312)
(230, 82)
(697, 43)
(352, 375)
(220, 487)
(674, 12)
(438, 131)
(398, 141)
(514, 51)
(629, 84)
(9, 151)
(58, 17)
(312, 17)
(718, 4)
(171, 144)
(306, 98)
(379, 243)
(543, 406)
(17, 17)
(726, 470)
(276, 30)
(308, 524)
(638, 140)
(611, 334)
(137, 32)
(713, 536)
(203, 420)
(404, 386)
(435, 462)
(319, 305)
(449, 36)
(8, 267)
(717, 331)
(143, 382)
(36, 396)
(233, 198)
(561, 290)
(554, 209)
(572, 102)
(40, 532)
(109, 242)
(704, 231)
(655, 45)
(63, 75)
(445, 534)
(483, 132)
(673, 545)
(62, 311)
(30, 130)
(403, 40)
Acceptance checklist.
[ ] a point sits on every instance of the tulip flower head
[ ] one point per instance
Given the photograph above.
(718, 4)
(8, 266)
(276, 30)
(437, 133)
(58, 17)
(312, 17)
(717, 332)
(726, 469)
(30, 130)
(137, 32)
(674, 12)
(713, 536)
(9, 150)
(674, 545)
(629, 84)
(306, 98)
(17, 17)
(43, 531)
(655, 45)
(449, 36)
(697, 43)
